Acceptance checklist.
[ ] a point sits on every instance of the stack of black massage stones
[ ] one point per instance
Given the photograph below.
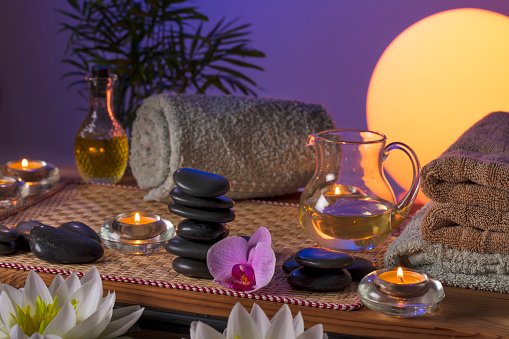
(199, 197)
(320, 269)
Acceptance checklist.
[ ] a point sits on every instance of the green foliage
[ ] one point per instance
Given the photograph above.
(156, 46)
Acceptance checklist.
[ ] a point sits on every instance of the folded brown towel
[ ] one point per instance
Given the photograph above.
(467, 227)
(475, 169)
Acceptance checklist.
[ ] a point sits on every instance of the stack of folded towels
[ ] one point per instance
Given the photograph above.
(462, 236)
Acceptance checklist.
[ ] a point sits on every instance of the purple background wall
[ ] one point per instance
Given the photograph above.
(317, 51)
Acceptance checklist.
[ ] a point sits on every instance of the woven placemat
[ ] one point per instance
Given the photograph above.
(93, 204)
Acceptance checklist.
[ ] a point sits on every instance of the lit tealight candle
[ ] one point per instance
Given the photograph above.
(26, 164)
(402, 277)
(138, 226)
(28, 170)
(138, 220)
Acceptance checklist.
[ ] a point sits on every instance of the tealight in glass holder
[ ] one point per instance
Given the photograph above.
(13, 192)
(413, 293)
(40, 176)
(136, 232)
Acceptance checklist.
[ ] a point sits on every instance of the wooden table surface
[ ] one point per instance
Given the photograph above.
(463, 312)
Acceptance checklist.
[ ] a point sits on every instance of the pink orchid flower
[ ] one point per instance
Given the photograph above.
(243, 265)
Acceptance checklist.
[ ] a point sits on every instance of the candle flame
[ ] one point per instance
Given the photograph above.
(336, 191)
(137, 218)
(24, 163)
(400, 274)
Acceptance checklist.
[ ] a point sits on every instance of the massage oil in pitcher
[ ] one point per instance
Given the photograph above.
(101, 149)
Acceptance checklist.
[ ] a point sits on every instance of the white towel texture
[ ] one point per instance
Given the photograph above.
(451, 266)
(258, 144)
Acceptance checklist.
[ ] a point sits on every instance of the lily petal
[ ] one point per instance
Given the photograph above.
(201, 330)
(263, 260)
(6, 309)
(35, 286)
(92, 274)
(14, 294)
(67, 289)
(261, 319)
(298, 324)
(223, 255)
(89, 296)
(55, 284)
(241, 324)
(315, 332)
(281, 326)
(63, 322)
(262, 234)
(17, 333)
(95, 324)
(122, 324)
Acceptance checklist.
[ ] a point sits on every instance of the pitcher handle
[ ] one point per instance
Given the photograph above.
(402, 208)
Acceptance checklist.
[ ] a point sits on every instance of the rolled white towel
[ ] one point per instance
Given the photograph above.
(257, 144)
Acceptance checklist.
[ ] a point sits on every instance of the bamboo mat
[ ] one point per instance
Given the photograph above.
(93, 204)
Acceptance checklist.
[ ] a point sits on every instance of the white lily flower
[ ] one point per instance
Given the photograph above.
(71, 308)
(242, 325)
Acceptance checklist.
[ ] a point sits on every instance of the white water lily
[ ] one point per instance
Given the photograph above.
(71, 308)
(242, 325)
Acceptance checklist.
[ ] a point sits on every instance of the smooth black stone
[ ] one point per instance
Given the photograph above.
(187, 249)
(8, 247)
(200, 184)
(318, 257)
(202, 231)
(247, 237)
(80, 228)
(188, 200)
(290, 264)
(8, 234)
(212, 215)
(190, 267)
(311, 279)
(24, 227)
(361, 268)
(56, 245)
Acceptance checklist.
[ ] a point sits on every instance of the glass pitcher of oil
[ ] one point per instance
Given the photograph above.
(348, 203)
(101, 149)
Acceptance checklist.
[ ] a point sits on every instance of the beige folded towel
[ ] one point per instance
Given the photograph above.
(467, 227)
(475, 169)
(258, 144)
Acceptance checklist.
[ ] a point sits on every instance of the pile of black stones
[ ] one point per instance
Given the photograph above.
(198, 197)
(72, 242)
(321, 269)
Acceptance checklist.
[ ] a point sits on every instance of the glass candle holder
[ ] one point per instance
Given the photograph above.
(385, 292)
(136, 232)
(13, 192)
(40, 176)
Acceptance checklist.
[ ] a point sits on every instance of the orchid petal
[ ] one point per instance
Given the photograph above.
(17, 333)
(201, 330)
(92, 274)
(241, 324)
(261, 235)
(281, 326)
(298, 324)
(66, 289)
(63, 322)
(261, 319)
(223, 255)
(263, 260)
(34, 287)
(96, 323)
(89, 296)
(6, 309)
(121, 324)
(315, 332)
(55, 284)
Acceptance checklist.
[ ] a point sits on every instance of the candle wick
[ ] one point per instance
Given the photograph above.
(400, 278)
